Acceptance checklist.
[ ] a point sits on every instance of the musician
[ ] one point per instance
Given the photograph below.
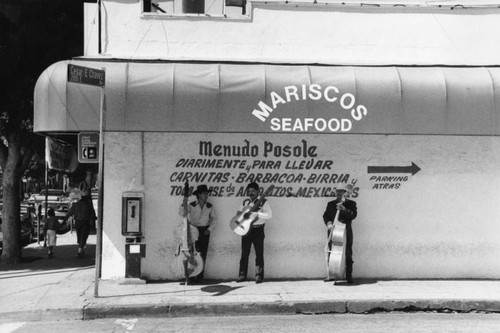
(348, 212)
(255, 235)
(201, 215)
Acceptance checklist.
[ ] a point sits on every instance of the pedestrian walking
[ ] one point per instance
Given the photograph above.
(50, 231)
(85, 217)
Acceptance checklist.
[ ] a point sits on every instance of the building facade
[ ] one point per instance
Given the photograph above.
(400, 100)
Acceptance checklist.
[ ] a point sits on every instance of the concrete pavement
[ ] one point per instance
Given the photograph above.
(63, 288)
(42, 288)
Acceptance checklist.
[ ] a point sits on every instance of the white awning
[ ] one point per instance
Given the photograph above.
(226, 97)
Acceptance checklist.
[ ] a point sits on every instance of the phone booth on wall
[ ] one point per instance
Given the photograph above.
(132, 229)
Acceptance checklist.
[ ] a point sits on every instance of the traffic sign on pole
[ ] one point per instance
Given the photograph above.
(88, 147)
(91, 148)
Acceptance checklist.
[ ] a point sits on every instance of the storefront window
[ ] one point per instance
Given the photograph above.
(212, 8)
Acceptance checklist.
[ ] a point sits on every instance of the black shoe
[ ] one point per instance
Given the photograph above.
(241, 278)
(259, 279)
(195, 280)
(349, 280)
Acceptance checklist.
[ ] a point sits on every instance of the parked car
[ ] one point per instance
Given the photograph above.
(56, 199)
(28, 220)
(52, 195)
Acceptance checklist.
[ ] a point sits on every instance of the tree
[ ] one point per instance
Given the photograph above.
(33, 35)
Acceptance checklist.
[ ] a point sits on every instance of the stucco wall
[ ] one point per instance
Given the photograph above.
(308, 33)
(438, 223)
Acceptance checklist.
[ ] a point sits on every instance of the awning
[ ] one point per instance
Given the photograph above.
(227, 97)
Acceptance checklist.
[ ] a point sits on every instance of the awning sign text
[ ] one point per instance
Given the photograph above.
(314, 92)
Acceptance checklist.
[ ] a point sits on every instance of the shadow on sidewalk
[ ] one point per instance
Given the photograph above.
(219, 290)
(211, 286)
(35, 260)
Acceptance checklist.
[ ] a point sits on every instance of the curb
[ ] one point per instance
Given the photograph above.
(174, 310)
(291, 308)
(44, 315)
(418, 305)
(187, 310)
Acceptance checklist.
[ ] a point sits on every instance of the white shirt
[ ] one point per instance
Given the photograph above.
(264, 213)
(200, 217)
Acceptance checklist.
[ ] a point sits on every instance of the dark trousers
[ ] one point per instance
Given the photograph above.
(348, 251)
(82, 232)
(256, 237)
(201, 245)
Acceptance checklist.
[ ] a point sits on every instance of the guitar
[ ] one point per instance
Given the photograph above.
(242, 222)
(335, 248)
(187, 262)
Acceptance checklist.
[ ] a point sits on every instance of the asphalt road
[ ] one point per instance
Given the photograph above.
(381, 322)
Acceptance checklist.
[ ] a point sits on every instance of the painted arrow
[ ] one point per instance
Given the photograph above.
(413, 169)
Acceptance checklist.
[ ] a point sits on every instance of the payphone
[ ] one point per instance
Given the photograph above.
(132, 229)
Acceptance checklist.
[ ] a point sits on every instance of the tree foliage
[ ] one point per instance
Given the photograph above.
(33, 35)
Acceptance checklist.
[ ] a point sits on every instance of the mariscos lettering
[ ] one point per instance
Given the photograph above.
(345, 102)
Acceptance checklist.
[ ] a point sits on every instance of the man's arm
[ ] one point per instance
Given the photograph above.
(70, 212)
(211, 221)
(350, 211)
(328, 215)
(265, 213)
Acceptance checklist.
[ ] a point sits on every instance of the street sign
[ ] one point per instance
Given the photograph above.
(86, 75)
(88, 147)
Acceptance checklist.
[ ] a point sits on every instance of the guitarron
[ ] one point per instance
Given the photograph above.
(335, 248)
(187, 262)
(242, 222)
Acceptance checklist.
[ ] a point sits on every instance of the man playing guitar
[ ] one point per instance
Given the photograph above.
(255, 235)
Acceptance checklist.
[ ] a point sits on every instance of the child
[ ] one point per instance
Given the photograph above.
(50, 230)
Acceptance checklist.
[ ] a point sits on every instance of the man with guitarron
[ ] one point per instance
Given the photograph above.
(201, 217)
(347, 211)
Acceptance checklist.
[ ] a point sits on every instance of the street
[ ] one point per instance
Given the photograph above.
(47, 295)
(380, 322)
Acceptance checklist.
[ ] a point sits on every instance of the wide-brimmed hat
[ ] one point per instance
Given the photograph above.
(253, 185)
(345, 187)
(201, 189)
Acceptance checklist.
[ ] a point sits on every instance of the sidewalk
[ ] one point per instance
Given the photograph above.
(63, 288)
(292, 297)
